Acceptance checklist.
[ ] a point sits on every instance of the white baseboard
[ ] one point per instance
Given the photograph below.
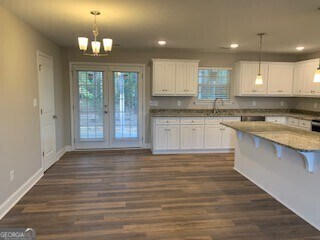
(191, 151)
(279, 199)
(63, 151)
(19, 193)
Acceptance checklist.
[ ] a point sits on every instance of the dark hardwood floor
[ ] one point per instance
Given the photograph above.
(135, 195)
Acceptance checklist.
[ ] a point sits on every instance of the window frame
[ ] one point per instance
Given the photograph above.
(212, 100)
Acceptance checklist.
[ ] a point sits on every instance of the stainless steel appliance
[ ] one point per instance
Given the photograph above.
(315, 125)
(253, 118)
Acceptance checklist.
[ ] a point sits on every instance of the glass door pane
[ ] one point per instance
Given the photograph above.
(90, 110)
(91, 107)
(126, 105)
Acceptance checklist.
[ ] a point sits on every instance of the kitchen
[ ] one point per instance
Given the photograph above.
(208, 128)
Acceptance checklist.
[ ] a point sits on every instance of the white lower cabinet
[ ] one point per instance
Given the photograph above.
(198, 134)
(213, 136)
(166, 137)
(228, 138)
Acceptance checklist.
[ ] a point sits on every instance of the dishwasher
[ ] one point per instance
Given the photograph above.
(253, 119)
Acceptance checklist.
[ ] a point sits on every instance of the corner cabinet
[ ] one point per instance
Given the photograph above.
(174, 77)
(192, 134)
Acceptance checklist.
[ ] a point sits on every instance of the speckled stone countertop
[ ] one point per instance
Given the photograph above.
(294, 138)
(300, 114)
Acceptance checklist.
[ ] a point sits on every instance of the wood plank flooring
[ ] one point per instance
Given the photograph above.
(135, 195)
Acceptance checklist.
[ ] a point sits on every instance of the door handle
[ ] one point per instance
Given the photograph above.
(54, 117)
(105, 112)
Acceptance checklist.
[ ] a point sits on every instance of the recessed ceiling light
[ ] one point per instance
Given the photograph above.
(162, 42)
(234, 45)
(300, 48)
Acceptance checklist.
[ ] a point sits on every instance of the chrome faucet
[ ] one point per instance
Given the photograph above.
(215, 102)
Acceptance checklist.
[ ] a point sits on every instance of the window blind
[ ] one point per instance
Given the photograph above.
(214, 83)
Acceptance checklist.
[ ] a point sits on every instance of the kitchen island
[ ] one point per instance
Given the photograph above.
(283, 161)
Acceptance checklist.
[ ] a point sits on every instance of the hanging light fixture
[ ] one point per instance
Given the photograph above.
(316, 78)
(259, 80)
(95, 45)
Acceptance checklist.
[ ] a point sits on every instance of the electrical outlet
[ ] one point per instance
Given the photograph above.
(315, 105)
(179, 103)
(11, 175)
(281, 104)
(254, 103)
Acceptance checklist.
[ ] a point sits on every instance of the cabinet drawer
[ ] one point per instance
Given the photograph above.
(293, 121)
(305, 124)
(192, 120)
(231, 119)
(167, 120)
(276, 119)
(213, 120)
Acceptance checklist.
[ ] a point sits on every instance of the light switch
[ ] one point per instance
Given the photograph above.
(153, 103)
(315, 105)
(179, 103)
(281, 104)
(35, 102)
(254, 103)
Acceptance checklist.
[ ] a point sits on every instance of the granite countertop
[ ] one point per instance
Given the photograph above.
(305, 115)
(294, 138)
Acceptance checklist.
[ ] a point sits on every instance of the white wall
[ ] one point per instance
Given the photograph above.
(19, 121)
(206, 60)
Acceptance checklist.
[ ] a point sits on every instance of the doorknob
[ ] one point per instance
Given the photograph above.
(55, 117)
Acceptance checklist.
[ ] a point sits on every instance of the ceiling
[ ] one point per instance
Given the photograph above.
(201, 25)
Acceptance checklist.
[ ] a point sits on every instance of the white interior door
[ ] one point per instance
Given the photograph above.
(47, 110)
(90, 107)
(125, 94)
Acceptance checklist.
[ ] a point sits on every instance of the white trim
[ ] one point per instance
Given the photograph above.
(19, 193)
(279, 200)
(155, 152)
(62, 151)
(144, 113)
(147, 146)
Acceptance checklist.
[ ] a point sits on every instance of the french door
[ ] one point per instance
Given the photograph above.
(107, 107)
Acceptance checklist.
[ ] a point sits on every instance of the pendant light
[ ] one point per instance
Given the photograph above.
(316, 78)
(259, 80)
(95, 45)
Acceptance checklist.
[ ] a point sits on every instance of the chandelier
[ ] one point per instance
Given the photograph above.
(95, 45)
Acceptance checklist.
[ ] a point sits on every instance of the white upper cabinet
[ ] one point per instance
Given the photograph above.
(280, 79)
(174, 77)
(309, 87)
(298, 79)
(245, 76)
(164, 74)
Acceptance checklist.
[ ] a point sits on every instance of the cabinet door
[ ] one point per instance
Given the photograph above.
(159, 69)
(280, 79)
(170, 79)
(286, 79)
(309, 70)
(173, 137)
(181, 78)
(298, 79)
(186, 136)
(192, 78)
(212, 136)
(249, 72)
(198, 137)
(228, 138)
(161, 142)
